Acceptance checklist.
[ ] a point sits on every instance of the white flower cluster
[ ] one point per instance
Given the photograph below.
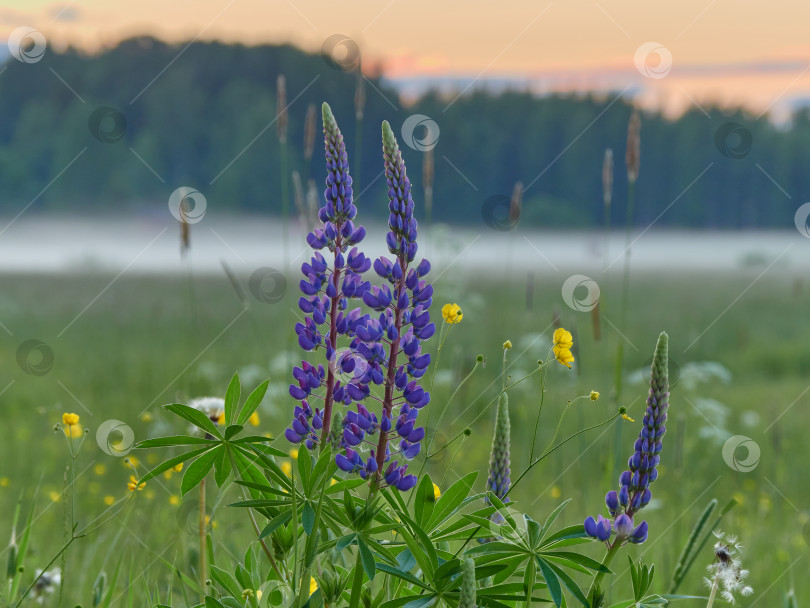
(727, 571)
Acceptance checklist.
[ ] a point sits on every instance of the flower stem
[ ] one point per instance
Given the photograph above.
(201, 529)
(715, 585)
(600, 575)
(357, 582)
(330, 378)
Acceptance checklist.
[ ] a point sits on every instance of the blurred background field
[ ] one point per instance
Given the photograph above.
(141, 344)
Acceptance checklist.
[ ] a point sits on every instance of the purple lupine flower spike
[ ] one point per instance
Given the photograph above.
(498, 480)
(390, 343)
(634, 491)
(327, 286)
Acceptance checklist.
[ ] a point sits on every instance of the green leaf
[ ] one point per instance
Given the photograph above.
(570, 585)
(305, 470)
(570, 532)
(164, 442)
(552, 581)
(227, 581)
(232, 430)
(172, 462)
(197, 470)
(308, 517)
(223, 466)
(232, 399)
(405, 576)
(366, 558)
(553, 516)
(580, 559)
(450, 500)
(252, 403)
(424, 500)
(212, 603)
(195, 417)
(279, 520)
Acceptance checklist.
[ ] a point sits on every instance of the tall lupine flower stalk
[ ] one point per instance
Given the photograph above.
(499, 461)
(634, 492)
(327, 287)
(404, 321)
(466, 596)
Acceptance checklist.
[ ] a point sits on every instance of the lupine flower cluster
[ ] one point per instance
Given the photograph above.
(327, 287)
(634, 493)
(385, 348)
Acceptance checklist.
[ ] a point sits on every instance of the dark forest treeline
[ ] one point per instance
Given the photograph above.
(203, 111)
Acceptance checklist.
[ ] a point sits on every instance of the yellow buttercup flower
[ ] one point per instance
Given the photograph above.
(4, 481)
(254, 419)
(109, 500)
(178, 467)
(146, 417)
(294, 453)
(74, 431)
(451, 313)
(561, 344)
(286, 468)
(507, 345)
(436, 492)
(313, 586)
(594, 395)
(221, 418)
(628, 418)
(174, 500)
(562, 338)
(555, 492)
(564, 356)
(134, 485)
(131, 461)
(55, 496)
(70, 419)
(99, 469)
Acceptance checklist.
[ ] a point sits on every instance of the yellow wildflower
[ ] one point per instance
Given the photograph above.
(178, 467)
(254, 419)
(294, 453)
(507, 345)
(451, 313)
(313, 586)
(134, 485)
(174, 500)
(555, 492)
(109, 500)
(286, 468)
(73, 431)
(221, 418)
(99, 469)
(146, 417)
(594, 395)
(332, 481)
(561, 345)
(70, 419)
(131, 461)
(436, 492)
(168, 474)
(4, 481)
(628, 418)
(55, 496)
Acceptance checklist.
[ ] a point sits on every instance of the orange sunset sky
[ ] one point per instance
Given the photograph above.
(730, 52)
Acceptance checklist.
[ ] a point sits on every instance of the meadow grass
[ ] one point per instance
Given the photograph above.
(138, 347)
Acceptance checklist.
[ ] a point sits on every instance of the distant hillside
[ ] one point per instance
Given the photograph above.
(202, 116)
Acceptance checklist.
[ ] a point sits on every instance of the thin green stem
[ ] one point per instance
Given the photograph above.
(202, 526)
(44, 570)
(600, 575)
(539, 411)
